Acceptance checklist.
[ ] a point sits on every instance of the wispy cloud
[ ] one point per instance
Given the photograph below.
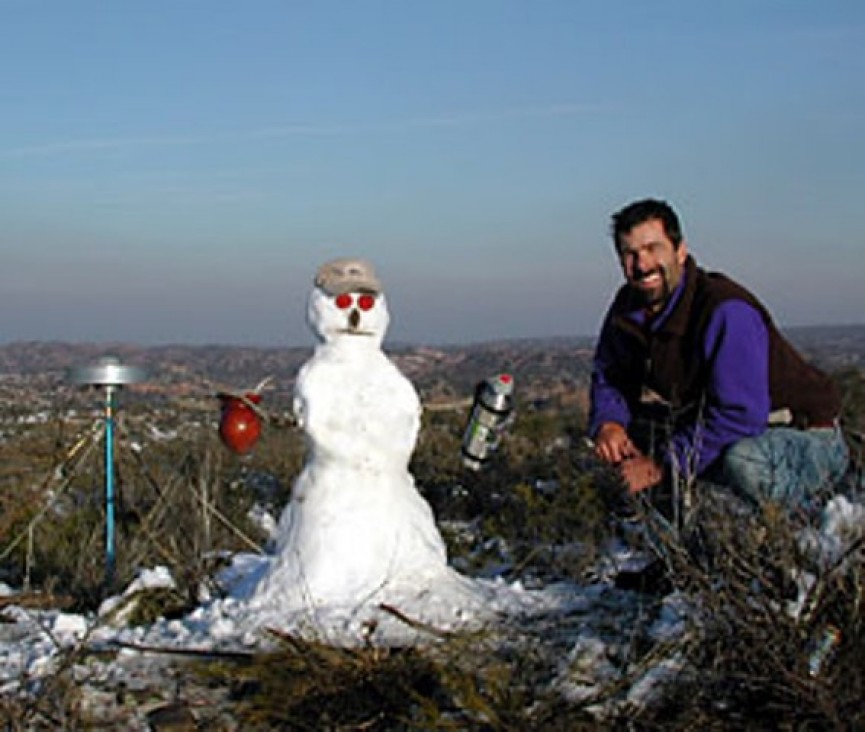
(117, 143)
(457, 120)
(474, 118)
(829, 34)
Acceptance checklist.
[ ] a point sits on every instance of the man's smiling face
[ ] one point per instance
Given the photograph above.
(651, 263)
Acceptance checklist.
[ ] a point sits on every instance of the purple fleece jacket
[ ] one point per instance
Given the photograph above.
(737, 402)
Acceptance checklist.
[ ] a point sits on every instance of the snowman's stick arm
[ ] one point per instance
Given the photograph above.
(241, 397)
(263, 414)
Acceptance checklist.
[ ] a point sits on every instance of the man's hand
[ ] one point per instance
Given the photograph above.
(612, 444)
(639, 473)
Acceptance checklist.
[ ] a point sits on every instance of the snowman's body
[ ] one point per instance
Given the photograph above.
(356, 530)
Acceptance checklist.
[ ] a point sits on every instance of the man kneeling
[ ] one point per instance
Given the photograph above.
(699, 349)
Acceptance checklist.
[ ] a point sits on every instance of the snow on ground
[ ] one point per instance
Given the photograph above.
(588, 630)
(580, 620)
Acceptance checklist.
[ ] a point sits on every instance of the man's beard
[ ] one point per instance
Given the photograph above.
(655, 298)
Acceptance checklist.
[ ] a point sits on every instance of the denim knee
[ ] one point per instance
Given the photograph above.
(786, 465)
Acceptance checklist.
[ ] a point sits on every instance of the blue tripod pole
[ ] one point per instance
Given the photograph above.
(109, 374)
(109, 486)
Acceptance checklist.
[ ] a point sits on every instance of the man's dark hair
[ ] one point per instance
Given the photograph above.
(639, 212)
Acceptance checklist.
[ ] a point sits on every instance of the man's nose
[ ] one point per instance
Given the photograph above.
(643, 261)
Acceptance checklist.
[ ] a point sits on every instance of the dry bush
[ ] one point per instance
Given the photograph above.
(55, 707)
(178, 503)
(47, 703)
(467, 682)
(755, 631)
(536, 505)
(851, 383)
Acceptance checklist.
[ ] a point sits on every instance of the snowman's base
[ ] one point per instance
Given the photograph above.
(395, 614)
(419, 609)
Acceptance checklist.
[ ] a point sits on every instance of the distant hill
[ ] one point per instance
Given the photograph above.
(832, 347)
(544, 368)
(540, 367)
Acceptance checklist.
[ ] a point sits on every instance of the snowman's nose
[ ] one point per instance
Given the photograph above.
(354, 318)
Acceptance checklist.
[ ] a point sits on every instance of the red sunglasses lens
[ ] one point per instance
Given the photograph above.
(364, 302)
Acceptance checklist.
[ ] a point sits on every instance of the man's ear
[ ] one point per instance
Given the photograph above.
(682, 252)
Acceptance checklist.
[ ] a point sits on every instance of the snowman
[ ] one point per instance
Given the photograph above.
(356, 533)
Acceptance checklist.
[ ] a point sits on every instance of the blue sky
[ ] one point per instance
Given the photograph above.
(175, 171)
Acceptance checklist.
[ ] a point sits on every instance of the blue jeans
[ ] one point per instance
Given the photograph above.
(792, 467)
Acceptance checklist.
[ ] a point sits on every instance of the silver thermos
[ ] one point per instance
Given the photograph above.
(490, 414)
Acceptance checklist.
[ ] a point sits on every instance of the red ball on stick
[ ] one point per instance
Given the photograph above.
(239, 425)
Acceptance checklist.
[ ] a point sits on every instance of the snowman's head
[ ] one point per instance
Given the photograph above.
(347, 302)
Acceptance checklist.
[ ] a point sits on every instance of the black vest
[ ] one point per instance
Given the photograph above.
(670, 362)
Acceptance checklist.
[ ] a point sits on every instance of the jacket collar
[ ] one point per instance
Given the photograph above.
(673, 318)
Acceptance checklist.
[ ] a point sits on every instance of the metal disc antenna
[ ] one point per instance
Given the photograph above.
(109, 374)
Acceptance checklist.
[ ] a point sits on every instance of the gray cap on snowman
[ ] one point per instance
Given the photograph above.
(343, 275)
